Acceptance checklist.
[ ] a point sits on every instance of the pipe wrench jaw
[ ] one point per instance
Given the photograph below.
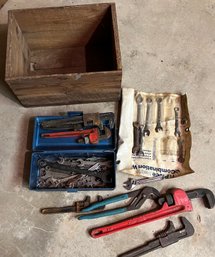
(177, 197)
(205, 194)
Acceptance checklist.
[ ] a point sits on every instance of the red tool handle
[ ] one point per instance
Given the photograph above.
(92, 133)
(182, 204)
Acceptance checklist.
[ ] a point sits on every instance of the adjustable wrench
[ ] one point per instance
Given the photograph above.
(132, 183)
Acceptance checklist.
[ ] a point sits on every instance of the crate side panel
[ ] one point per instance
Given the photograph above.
(17, 60)
(77, 88)
(65, 60)
(59, 27)
(116, 37)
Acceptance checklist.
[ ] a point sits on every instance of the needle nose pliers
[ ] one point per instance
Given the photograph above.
(138, 198)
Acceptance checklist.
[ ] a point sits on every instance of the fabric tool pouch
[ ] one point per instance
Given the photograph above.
(68, 164)
(161, 144)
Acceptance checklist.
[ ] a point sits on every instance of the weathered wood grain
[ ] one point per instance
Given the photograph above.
(68, 89)
(65, 60)
(2, 3)
(71, 55)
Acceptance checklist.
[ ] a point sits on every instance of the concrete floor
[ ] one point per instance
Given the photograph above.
(167, 46)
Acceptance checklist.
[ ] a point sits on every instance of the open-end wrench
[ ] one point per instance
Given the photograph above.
(132, 183)
(146, 131)
(136, 146)
(177, 131)
(159, 105)
(138, 131)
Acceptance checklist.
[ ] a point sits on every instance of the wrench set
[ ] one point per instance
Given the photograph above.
(161, 136)
(71, 172)
(74, 152)
(144, 125)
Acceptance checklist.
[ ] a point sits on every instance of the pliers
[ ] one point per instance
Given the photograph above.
(138, 198)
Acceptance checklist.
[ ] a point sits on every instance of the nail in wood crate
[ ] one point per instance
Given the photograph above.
(64, 55)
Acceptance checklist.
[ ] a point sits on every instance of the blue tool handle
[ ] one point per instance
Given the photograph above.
(102, 214)
(114, 199)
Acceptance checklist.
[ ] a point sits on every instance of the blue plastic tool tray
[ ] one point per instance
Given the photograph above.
(52, 148)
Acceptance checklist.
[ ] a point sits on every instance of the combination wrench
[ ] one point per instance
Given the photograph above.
(177, 131)
(138, 128)
(159, 105)
(146, 131)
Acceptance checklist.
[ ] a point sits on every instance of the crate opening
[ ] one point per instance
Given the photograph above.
(64, 40)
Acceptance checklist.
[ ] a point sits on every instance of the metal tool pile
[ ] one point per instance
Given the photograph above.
(72, 172)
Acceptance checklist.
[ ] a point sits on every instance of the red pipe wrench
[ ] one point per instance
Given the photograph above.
(181, 203)
(93, 134)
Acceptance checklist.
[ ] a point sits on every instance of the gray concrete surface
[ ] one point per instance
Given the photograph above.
(167, 46)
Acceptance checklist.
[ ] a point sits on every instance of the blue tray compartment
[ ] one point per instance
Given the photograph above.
(72, 153)
(44, 144)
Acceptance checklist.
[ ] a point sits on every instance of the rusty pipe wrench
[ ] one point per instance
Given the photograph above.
(76, 207)
(176, 202)
(163, 238)
(88, 119)
(93, 134)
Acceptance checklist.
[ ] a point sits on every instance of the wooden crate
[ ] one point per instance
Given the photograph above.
(64, 55)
